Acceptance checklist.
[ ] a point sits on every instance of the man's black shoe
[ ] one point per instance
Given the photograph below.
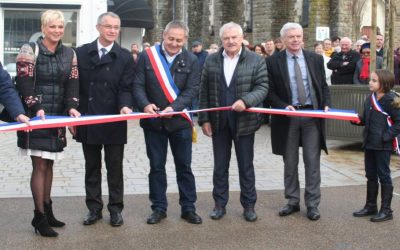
(156, 217)
(249, 214)
(289, 209)
(116, 219)
(92, 217)
(191, 217)
(218, 213)
(313, 213)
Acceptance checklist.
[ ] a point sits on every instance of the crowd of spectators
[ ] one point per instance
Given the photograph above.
(346, 62)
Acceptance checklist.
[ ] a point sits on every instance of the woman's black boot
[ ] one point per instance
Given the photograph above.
(370, 207)
(48, 210)
(385, 213)
(41, 224)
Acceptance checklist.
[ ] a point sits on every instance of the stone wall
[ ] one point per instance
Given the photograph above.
(283, 12)
(334, 17)
(318, 16)
(208, 33)
(267, 19)
(396, 30)
(195, 19)
(162, 14)
(262, 21)
(227, 11)
(343, 24)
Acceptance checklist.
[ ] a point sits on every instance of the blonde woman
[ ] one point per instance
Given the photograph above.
(48, 84)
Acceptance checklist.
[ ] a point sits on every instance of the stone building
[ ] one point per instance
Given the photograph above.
(262, 19)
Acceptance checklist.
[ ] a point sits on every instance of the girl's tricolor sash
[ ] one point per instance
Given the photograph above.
(164, 77)
(377, 107)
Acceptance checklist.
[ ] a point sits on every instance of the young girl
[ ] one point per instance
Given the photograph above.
(381, 118)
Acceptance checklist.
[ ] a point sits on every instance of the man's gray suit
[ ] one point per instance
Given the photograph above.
(289, 133)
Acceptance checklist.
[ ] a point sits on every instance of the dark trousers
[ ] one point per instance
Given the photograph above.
(377, 164)
(113, 156)
(244, 147)
(306, 131)
(181, 148)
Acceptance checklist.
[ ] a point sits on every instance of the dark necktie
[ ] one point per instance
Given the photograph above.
(103, 52)
(299, 81)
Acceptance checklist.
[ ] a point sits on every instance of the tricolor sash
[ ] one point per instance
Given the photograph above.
(377, 107)
(164, 77)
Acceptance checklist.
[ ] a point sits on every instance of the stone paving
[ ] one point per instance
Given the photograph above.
(343, 166)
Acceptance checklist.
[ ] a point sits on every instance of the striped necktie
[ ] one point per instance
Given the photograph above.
(103, 52)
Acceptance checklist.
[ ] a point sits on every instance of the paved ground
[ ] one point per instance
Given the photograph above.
(343, 166)
(337, 229)
(342, 179)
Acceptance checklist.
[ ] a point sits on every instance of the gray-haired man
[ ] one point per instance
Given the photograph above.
(233, 77)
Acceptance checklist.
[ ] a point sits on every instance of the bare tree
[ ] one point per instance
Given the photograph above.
(390, 15)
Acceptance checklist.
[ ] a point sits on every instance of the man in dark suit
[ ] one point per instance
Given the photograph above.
(235, 77)
(152, 96)
(380, 41)
(10, 99)
(106, 78)
(297, 82)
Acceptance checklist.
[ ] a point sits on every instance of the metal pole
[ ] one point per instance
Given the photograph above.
(390, 48)
(387, 35)
(372, 65)
(173, 9)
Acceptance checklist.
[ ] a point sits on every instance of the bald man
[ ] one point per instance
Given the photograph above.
(343, 63)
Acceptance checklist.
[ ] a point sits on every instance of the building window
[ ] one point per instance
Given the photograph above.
(22, 26)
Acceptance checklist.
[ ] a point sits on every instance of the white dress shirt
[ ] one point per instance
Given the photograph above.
(99, 47)
(230, 65)
(169, 58)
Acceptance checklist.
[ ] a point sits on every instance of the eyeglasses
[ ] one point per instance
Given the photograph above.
(110, 27)
(366, 53)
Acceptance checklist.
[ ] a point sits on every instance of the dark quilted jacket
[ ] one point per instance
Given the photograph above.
(52, 71)
(50, 86)
(377, 135)
(251, 87)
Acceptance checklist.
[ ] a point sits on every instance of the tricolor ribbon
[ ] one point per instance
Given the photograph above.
(62, 121)
(164, 77)
(377, 107)
(345, 115)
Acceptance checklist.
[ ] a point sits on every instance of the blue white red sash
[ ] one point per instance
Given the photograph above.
(377, 107)
(164, 77)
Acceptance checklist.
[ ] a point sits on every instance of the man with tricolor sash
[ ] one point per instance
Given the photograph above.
(167, 79)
